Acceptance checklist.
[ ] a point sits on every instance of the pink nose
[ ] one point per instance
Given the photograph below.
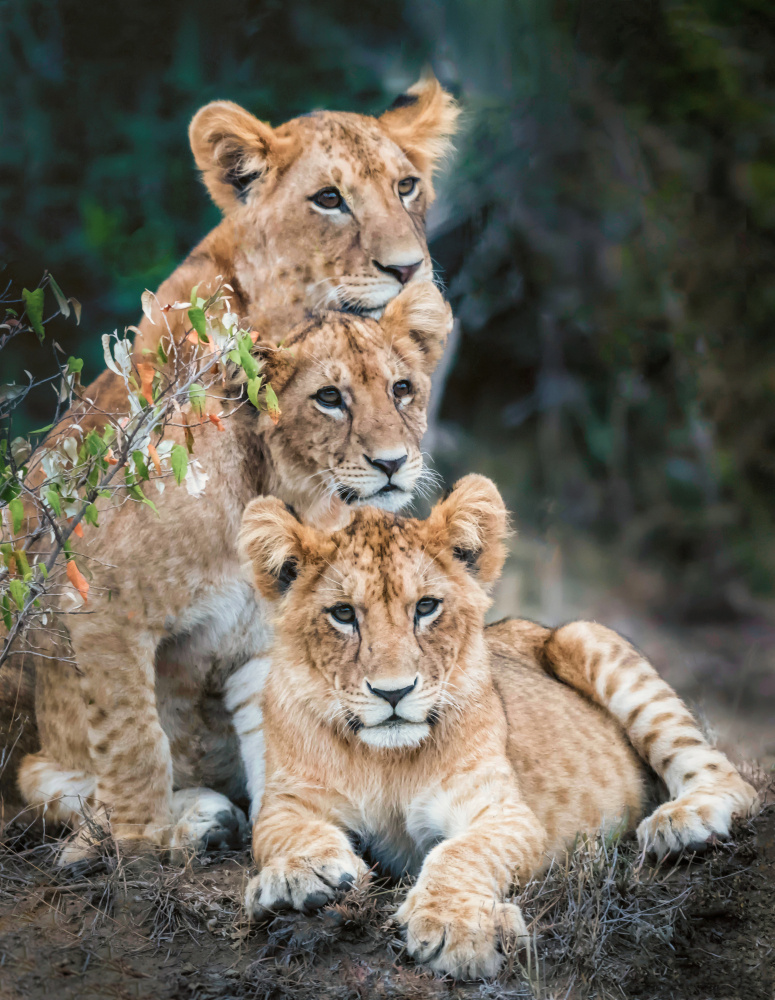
(401, 272)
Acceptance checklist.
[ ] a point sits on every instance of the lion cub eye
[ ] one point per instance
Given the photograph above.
(343, 613)
(406, 186)
(329, 396)
(402, 389)
(426, 606)
(328, 197)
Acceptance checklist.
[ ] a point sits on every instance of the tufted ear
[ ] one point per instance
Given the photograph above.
(275, 543)
(233, 149)
(420, 313)
(422, 122)
(472, 520)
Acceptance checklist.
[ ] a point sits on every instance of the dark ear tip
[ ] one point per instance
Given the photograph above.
(403, 101)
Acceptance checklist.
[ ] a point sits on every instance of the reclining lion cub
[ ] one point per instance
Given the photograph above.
(392, 713)
(172, 644)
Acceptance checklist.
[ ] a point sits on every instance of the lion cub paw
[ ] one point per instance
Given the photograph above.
(692, 820)
(301, 883)
(460, 935)
(206, 821)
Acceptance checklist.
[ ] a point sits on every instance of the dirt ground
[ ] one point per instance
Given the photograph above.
(603, 925)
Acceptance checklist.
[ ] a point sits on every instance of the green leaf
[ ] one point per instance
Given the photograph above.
(7, 619)
(12, 312)
(160, 354)
(197, 397)
(19, 591)
(75, 365)
(43, 571)
(198, 320)
(140, 465)
(179, 460)
(194, 290)
(151, 504)
(23, 564)
(54, 501)
(59, 295)
(16, 508)
(33, 302)
(254, 386)
(246, 359)
(272, 404)
(90, 515)
(234, 356)
(42, 430)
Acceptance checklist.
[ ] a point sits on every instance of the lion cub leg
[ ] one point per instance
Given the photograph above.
(706, 791)
(456, 916)
(128, 749)
(304, 859)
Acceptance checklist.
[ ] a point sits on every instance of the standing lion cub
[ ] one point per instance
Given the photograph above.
(392, 713)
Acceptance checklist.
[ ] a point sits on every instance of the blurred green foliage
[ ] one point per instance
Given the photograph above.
(607, 234)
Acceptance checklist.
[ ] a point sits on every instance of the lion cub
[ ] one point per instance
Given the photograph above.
(391, 713)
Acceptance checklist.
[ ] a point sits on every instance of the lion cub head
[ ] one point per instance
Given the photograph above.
(328, 210)
(380, 625)
(353, 392)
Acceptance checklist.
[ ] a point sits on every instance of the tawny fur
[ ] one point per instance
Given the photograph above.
(170, 620)
(481, 769)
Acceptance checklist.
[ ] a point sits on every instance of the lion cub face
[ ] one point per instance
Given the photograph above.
(332, 204)
(381, 624)
(354, 394)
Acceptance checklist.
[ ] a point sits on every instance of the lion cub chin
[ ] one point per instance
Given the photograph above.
(389, 713)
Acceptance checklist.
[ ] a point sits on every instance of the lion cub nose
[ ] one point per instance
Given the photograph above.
(401, 272)
(392, 695)
(387, 465)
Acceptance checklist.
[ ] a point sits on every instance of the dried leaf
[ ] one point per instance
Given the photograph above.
(148, 300)
(78, 530)
(215, 419)
(78, 580)
(146, 380)
(59, 295)
(154, 456)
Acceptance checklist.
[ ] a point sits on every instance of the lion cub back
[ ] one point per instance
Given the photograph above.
(575, 766)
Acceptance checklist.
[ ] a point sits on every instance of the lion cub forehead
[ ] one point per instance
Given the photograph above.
(373, 550)
(346, 139)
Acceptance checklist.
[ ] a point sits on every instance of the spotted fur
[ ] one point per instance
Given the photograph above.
(171, 621)
(483, 768)
(279, 250)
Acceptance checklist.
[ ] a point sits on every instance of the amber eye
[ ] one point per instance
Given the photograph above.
(343, 613)
(402, 389)
(328, 198)
(407, 186)
(329, 396)
(426, 606)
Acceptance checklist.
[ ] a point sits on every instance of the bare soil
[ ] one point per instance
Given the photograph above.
(604, 925)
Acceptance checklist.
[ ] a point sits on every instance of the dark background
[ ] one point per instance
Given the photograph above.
(606, 234)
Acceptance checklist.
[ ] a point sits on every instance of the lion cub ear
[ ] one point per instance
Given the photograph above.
(274, 542)
(422, 122)
(233, 149)
(420, 313)
(472, 520)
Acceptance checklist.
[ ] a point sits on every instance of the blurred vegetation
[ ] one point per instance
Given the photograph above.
(607, 233)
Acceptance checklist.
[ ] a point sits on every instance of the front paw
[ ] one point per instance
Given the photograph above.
(301, 883)
(460, 934)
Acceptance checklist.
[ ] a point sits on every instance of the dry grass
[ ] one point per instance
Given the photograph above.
(605, 924)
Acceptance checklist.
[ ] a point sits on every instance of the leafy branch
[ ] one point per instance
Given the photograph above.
(54, 487)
